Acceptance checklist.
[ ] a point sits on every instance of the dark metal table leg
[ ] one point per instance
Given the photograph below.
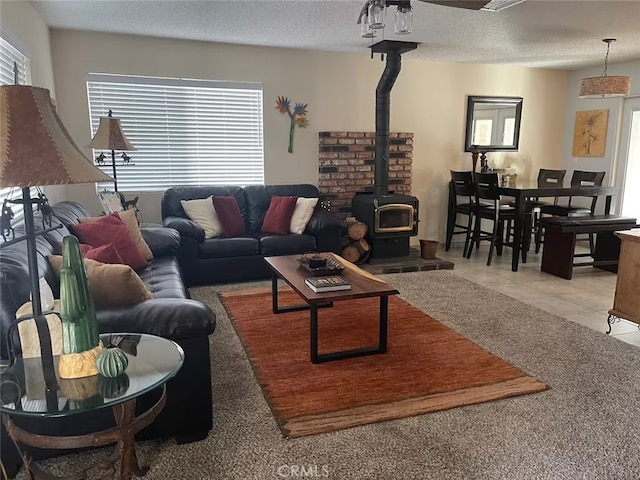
(314, 333)
(274, 293)
(384, 309)
(289, 308)
(357, 352)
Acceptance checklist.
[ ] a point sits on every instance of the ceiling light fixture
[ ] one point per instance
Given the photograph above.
(499, 5)
(372, 17)
(605, 86)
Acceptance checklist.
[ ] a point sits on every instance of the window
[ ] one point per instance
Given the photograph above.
(8, 55)
(186, 132)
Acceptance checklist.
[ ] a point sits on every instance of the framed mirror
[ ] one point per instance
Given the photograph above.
(493, 123)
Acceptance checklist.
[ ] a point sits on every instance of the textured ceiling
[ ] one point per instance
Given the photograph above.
(537, 33)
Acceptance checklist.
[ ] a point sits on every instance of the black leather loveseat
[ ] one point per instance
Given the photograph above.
(241, 258)
(187, 415)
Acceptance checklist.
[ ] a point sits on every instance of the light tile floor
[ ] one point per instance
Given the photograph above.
(584, 299)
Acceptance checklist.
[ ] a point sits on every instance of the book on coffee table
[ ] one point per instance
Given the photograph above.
(327, 284)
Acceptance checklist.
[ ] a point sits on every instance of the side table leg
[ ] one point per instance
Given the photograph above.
(125, 414)
(26, 460)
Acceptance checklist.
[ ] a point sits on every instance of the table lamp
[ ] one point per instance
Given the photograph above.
(36, 149)
(110, 136)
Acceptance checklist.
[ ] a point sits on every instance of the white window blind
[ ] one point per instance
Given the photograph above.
(8, 55)
(186, 132)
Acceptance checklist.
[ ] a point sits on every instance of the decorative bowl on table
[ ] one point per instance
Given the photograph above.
(329, 265)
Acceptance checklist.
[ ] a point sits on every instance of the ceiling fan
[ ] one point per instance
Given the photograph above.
(468, 4)
(372, 13)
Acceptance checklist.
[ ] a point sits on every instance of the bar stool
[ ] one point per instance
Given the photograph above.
(486, 193)
(461, 185)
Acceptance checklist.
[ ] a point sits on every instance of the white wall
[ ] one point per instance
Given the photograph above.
(614, 105)
(22, 26)
(429, 99)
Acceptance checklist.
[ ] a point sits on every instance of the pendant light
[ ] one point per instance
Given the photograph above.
(605, 86)
(404, 19)
(376, 14)
(365, 27)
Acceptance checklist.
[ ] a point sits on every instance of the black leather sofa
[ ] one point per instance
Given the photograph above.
(217, 260)
(187, 415)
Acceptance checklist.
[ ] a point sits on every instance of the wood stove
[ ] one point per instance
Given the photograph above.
(391, 218)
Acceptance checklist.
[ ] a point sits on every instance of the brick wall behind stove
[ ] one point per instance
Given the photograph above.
(346, 166)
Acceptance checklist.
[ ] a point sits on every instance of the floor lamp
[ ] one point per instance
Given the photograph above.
(37, 150)
(110, 136)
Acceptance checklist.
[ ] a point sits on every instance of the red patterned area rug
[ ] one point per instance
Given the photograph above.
(428, 367)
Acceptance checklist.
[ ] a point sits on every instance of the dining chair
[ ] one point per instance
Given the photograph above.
(579, 178)
(461, 202)
(487, 201)
(550, 178)
(546, 177)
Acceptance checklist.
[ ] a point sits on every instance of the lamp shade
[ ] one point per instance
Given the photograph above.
(35, 147)
(110, 136)
(604, 87)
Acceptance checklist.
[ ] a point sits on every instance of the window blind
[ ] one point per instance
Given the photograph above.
(186, 132)
(8, 55)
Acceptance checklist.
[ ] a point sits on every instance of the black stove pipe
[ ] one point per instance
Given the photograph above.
(383, 102)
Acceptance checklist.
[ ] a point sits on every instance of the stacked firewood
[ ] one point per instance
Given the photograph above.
(354, 246)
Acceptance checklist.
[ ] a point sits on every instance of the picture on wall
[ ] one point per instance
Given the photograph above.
(298, 118)
(590, 133)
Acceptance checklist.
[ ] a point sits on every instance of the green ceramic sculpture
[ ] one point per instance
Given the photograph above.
(80, 339)
(112, 362)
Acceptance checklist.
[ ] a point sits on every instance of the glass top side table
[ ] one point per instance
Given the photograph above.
(152, 362)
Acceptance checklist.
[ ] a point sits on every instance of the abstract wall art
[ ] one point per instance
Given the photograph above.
(590, 133)
(297, 118)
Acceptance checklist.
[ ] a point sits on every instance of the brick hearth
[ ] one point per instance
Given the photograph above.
(411, 263)
(346, 166)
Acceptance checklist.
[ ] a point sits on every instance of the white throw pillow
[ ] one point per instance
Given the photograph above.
(302, 214)
(29, 339)
(202, 212)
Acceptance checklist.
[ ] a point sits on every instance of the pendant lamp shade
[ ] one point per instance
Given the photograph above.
(35, 147)
(605, 86)
(110, 136)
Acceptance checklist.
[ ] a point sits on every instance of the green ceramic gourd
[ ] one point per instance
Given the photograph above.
(112, 362)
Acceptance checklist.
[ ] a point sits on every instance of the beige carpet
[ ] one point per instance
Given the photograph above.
(428, 367)
(586, 425)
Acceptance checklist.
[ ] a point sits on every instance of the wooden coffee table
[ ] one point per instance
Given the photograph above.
(363, 285)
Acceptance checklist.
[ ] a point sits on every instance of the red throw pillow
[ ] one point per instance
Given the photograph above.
(278, 217)
(103, 254)
(229, 215)
(111, 229)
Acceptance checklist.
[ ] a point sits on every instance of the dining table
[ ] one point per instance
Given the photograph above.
(524, 189)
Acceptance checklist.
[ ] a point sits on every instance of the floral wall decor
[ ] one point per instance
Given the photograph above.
(590, 133)
(297, 118)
